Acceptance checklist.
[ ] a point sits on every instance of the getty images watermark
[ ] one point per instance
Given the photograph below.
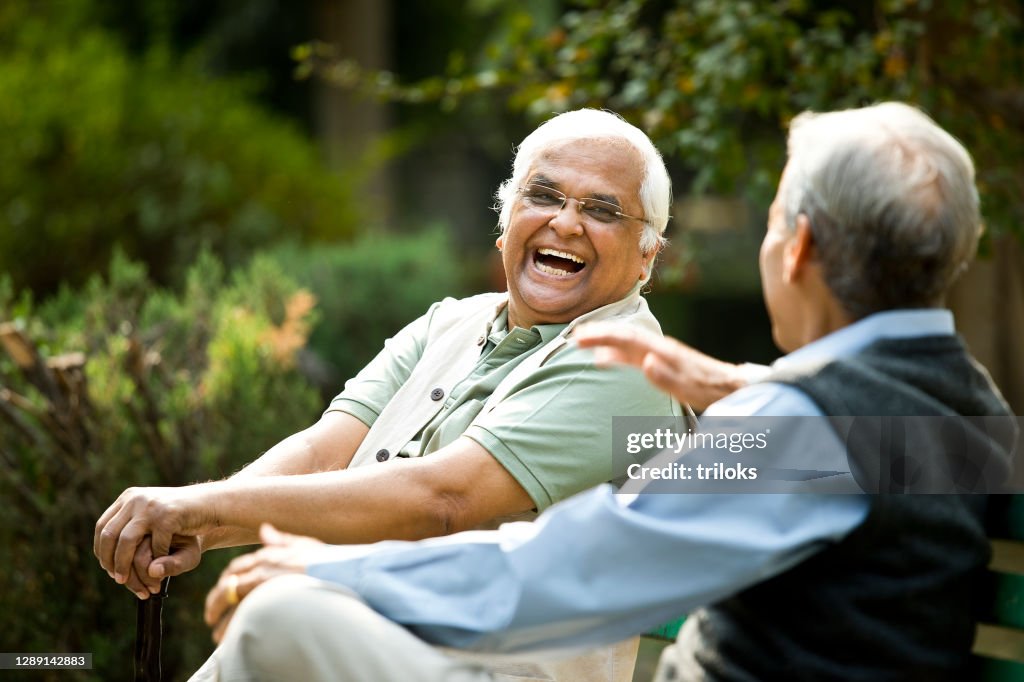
(665, 439)
(920, 455)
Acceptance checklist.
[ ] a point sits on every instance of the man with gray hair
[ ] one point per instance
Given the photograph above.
(876, 214)
(480, 410)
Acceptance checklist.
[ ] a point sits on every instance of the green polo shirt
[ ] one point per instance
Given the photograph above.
(553, 432)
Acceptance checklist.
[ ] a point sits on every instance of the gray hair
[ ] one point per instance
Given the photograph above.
(892, 204)
(593, 124)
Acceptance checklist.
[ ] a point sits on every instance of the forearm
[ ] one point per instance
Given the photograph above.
(457, 488)
(358, 505)
(328, 445)
(222, 537)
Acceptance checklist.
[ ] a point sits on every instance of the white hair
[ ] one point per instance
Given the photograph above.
(592, 124)
(891, 200)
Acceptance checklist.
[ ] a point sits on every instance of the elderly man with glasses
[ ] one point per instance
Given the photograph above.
(480, 410)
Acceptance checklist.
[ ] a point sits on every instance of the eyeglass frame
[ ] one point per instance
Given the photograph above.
(581, 204)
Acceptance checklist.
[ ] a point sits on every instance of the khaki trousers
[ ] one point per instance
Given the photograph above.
(298, 628)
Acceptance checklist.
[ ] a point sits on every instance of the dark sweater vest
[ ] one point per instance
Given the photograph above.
(895, 599)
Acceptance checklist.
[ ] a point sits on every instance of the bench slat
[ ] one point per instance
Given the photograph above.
(668, 631)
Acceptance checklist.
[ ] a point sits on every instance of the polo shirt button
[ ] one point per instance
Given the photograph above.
(480, 341)
(382, 455)
(436, 394)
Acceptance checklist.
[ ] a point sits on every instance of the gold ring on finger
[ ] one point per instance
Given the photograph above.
(231, 591)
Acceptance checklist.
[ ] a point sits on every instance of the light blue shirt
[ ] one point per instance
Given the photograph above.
(602, 566)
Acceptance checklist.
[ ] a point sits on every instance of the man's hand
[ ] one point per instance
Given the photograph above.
(690, 376)
(150, 533)
(282, 554)
(147, 571)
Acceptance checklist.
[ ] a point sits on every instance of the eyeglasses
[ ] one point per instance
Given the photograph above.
(544, 198)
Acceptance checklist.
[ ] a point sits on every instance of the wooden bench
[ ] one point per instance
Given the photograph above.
(999, 638)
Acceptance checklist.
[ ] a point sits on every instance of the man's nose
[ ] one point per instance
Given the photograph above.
(568, 220)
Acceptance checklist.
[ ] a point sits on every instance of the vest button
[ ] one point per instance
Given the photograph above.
(436, 394)
(382, 455)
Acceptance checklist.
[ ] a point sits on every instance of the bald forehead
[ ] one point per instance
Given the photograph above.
(614, 167)
(630, 157)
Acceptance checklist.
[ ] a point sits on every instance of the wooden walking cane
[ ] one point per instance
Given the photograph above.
(148, 634)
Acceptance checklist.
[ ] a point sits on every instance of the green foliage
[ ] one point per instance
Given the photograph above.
(168, 389)
(174, 387)
(715, 83)
(369, 289)
(102, 148)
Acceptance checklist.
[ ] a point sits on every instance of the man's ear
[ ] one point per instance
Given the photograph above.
(648, 260)
(800, 249)
(499, 242)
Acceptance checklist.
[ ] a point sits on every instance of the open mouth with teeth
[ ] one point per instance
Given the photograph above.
(558, 263)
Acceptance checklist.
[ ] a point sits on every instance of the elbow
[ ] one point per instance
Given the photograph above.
(449, 512)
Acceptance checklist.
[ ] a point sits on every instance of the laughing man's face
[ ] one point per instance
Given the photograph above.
(559, 263)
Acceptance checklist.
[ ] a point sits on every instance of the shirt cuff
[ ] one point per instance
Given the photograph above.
(360, 411)
(753, 373)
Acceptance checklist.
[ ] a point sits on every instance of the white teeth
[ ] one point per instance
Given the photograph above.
(560, 254)
(553, 271)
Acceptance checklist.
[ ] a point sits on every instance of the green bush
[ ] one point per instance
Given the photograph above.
(167, 389)
(170, 388)
(102, 148)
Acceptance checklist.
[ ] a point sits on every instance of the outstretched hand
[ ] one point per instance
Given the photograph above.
(282, 554)
(690, 376)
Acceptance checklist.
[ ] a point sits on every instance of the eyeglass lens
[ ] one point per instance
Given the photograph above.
(543, 197)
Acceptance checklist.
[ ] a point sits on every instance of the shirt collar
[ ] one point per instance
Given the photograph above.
(889, 324)
(499, 328)
(627, 304)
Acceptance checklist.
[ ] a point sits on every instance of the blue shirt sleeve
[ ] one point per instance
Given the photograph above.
(600, 566)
